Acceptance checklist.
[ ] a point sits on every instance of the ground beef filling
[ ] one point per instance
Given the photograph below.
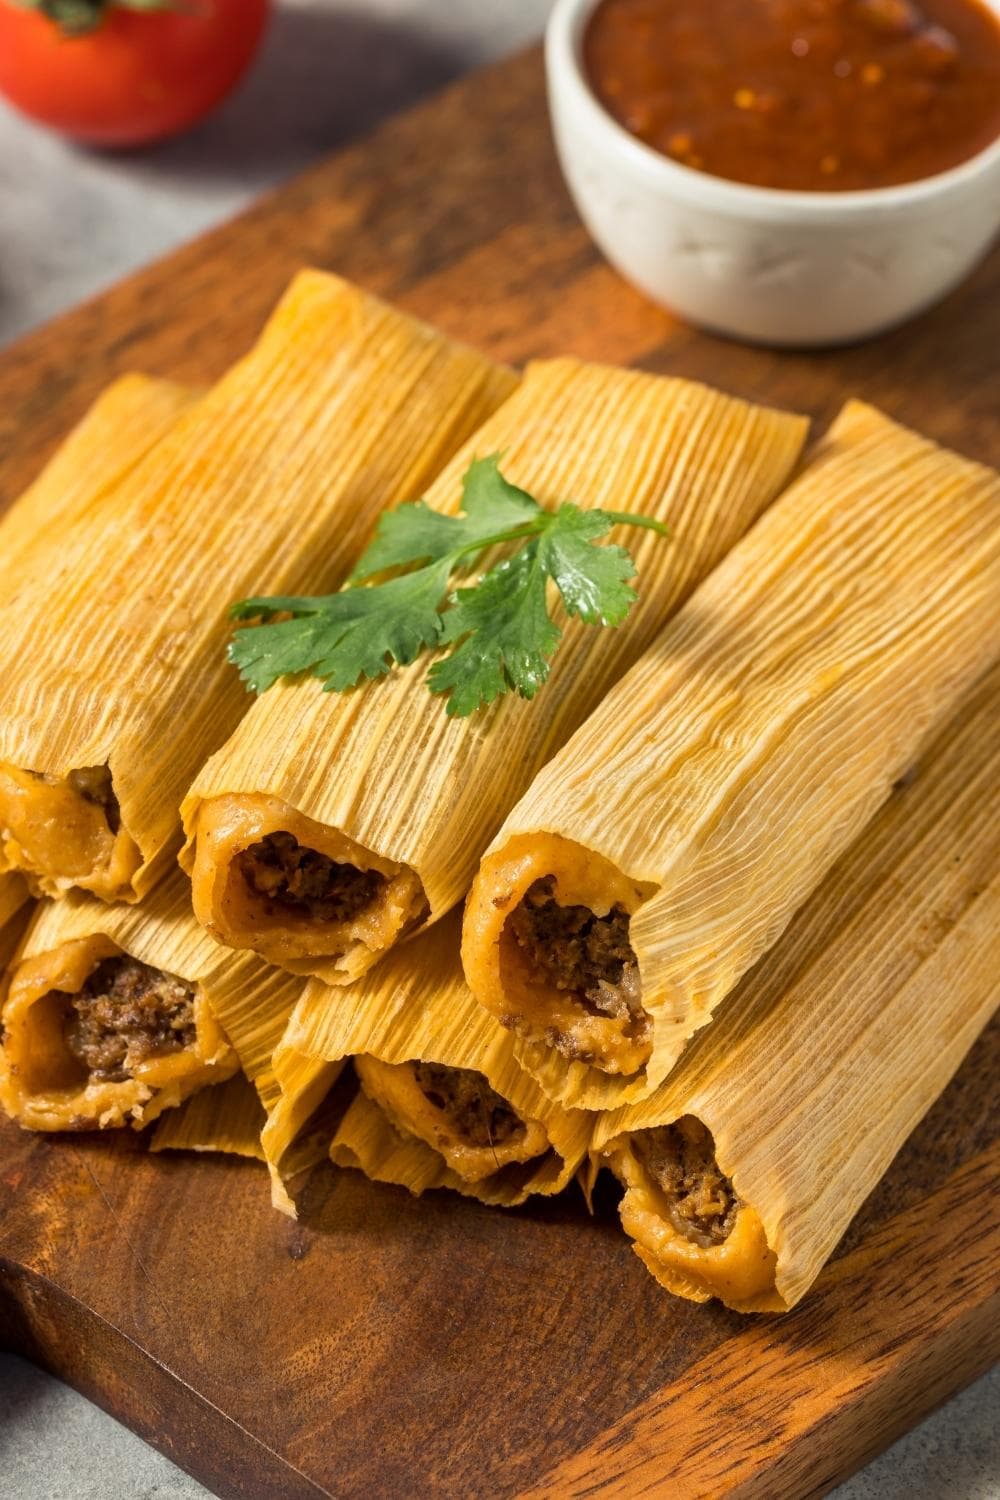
(125, 1013)
(681, 1159)
(475, 1111)
(302, 882)
(575, 950)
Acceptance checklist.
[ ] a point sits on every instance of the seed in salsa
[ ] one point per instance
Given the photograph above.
(806, 94)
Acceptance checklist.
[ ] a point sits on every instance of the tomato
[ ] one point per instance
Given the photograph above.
(137, 75)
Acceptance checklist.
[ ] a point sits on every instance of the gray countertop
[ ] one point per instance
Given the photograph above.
(72, 222)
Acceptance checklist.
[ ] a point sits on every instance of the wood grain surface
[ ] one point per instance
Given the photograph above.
(384, 1346)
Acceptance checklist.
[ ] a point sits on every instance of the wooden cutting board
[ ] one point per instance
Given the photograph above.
(388, 1347)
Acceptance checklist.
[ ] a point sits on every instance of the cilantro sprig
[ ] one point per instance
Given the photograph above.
(498, 628)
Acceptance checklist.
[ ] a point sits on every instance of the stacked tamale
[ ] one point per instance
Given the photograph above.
(733, 875)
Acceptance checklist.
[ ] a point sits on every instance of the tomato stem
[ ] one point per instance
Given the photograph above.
(77, 17)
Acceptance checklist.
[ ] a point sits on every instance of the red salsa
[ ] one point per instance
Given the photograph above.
(810, 94)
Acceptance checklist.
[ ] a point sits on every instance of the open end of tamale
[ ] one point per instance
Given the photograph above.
(266, 877)
(125, 1013)
(688, 1222)
(293, 880)
(91, 1034)
(680, 1159)
(549, 952)
(587, 956)
(456, 1112)
(65, 831)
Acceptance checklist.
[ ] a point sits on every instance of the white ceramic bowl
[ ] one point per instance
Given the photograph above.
(762, 264)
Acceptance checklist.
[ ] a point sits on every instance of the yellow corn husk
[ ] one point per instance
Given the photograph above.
(415, 1007)
(298, 1133)
(13, 895)
(291, 1106)
(838, 1042)
(227, 1118)
(14, 913)
(381, 778)
(118, 430)
(722, 778)
(254, 1020)
(41, 1088)
(269, 485)
(254, 1016)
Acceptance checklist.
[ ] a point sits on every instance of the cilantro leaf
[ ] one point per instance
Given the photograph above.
(356, 633)
(414, 533)
(505, 636)
(409, 534)
(280, 604)
(499, 630)
(593, 581)
(490, 499)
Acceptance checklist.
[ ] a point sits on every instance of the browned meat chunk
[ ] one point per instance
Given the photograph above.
(681, 1159)
(125, 1013)
(575, 950)
(93, 784)
(474, 1110)
(303, 882)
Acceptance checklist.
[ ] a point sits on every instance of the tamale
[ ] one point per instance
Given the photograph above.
(118, 685)
(831, 1050)
(443, 1101)
(667, 846)
(119, 429)
(109, 1012)
(331, 825)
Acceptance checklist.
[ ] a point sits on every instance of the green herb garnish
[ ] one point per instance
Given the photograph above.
(499, 627)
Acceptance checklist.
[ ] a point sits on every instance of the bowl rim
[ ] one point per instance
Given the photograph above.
(564, 63)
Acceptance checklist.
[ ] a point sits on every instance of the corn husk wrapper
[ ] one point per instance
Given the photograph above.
(300, 1124)
(118, 430)
(226, 1118)
(255, 1022)
(13, 895)
(291, 1112)
(63, 943)
(14, 913)
(270, 484)
(415, 1006)
(254, 1018)
(382, 775)
(837, 1043)
(718, 783)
